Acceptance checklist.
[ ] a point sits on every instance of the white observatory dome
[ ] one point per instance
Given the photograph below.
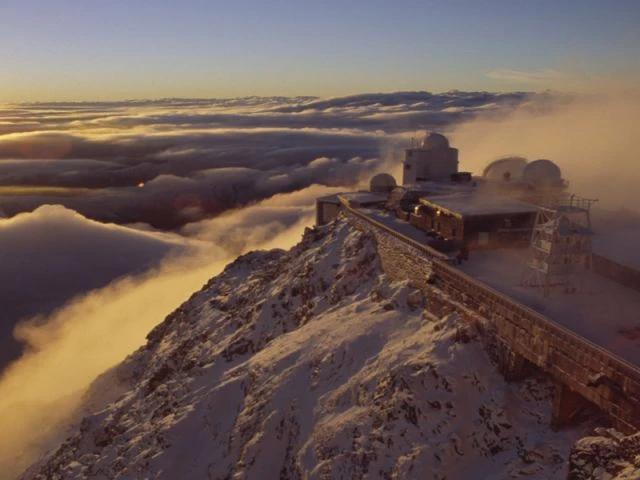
(382, 183)
(503, 168)
(542, 172)
(434, 140)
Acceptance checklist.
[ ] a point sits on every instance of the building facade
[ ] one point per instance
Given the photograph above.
(432, 159)
(476, 220)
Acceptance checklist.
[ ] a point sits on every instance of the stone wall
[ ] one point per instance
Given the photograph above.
(584, 368)
(326, 212)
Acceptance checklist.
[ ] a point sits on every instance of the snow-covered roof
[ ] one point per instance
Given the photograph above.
(329, 199)
(599, 312)
(476, 204)
(438, 187)
(362, 198)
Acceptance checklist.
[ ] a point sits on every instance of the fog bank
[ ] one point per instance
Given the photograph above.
(592, 137)
(39, 392)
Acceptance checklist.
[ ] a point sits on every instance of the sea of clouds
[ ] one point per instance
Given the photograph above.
(117, 212)
(170, 164)
(201, 157)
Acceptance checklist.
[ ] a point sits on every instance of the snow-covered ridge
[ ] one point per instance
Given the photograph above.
(311, 364)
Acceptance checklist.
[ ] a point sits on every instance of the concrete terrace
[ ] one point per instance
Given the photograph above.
(605, 312)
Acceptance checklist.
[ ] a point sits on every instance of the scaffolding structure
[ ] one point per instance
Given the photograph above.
(560, 245)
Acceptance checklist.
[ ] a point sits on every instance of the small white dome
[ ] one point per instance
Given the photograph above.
(542, 172)
(433, 140)
(505, 168)
(383, 182)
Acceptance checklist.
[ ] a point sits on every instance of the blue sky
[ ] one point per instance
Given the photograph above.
(99, 50)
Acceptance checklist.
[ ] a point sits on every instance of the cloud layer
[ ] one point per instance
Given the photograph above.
(227, 176)
(198, 158)
(67, 350)
(591, 137)
(52, 254)
(170, 163)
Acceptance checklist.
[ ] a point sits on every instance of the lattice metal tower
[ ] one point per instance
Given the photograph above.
(560, 246)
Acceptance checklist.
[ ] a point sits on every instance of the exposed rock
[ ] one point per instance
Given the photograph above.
(312, 364)
(608, 455)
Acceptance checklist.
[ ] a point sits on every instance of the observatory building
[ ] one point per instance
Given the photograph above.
(382, 183)
(475, 219)
(543, 173)
(505, 169)
(495, 210)
(517, 172)
(432, 159)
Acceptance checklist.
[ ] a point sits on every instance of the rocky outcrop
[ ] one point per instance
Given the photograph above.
(606, 455)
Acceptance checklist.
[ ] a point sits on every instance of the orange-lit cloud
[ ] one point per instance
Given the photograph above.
(38, 393)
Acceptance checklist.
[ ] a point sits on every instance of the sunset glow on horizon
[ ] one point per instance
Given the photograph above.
(72, 50)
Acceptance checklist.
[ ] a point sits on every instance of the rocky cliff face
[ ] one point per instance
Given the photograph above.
(311, 364)
(606, 455)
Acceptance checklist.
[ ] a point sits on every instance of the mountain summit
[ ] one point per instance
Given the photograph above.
(311, 363)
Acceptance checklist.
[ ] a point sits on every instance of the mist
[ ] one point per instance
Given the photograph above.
(53, 254)
(592, 137)
(40, 392)
(200, 157)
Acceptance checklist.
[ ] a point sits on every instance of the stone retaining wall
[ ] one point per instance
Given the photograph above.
(584, 368)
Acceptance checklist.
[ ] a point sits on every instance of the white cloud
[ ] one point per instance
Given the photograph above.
(53, 254)
(591, 137)
(39, 392)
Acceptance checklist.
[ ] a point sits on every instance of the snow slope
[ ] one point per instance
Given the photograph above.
(311, 364)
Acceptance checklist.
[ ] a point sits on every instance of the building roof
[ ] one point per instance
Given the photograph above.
(433, 187)
(474, 204)
(513, 166)
(382, 180)
(542, 171)
(329, 199)
(435, 140)
(362, 198)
